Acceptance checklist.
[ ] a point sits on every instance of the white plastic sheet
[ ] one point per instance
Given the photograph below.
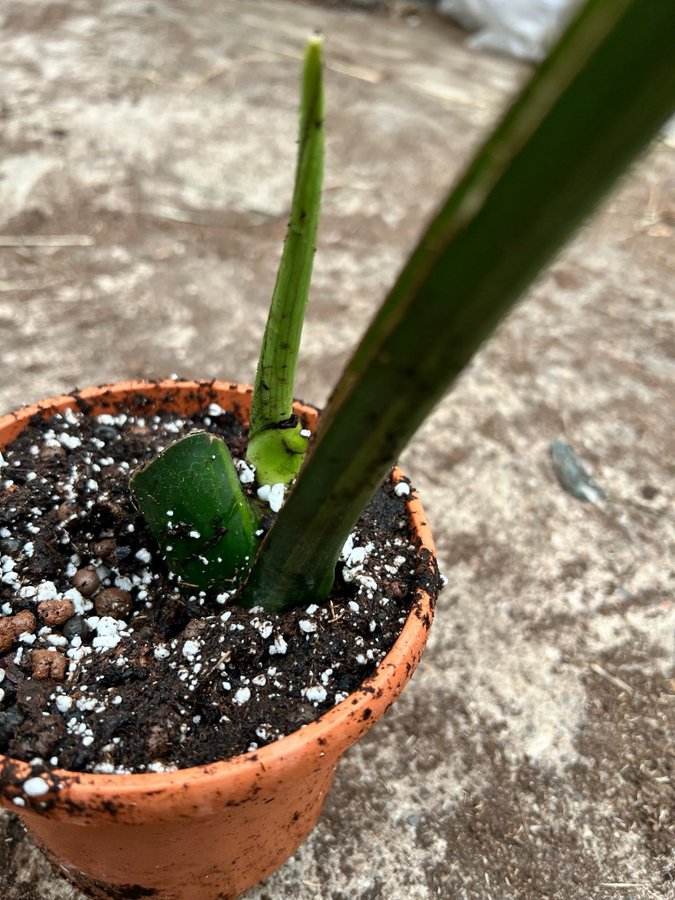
(521, 28)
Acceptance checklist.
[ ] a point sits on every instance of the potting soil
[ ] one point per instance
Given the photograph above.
(107, 666)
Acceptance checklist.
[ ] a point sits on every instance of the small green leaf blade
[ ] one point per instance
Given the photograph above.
(276, 453)
(194, 505)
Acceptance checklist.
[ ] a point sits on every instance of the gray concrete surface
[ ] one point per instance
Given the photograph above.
(147, 152)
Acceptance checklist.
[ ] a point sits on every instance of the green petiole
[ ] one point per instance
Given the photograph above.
(277, 444)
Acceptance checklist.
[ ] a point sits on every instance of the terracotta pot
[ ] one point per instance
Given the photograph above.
(211, 831)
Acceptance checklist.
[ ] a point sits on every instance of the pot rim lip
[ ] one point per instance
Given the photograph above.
(374, 692)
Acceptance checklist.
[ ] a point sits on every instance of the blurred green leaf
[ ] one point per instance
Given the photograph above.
(588, 110)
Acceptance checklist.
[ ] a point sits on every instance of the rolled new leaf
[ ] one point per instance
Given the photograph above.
(193, 503)
(277, 442)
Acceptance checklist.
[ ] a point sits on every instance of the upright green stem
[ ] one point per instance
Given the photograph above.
(276, 443)
(588, 110)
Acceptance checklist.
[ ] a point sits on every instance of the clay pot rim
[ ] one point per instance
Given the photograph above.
(328, 735)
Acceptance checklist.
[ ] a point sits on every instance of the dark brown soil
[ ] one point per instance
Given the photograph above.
(110, 667)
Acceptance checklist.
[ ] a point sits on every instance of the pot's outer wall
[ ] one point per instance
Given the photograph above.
(213, 831)
(191, 857)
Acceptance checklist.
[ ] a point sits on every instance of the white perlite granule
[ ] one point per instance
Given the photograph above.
(107, 632)
(190, 649)
(35, 787)
(63, 704)
(243, 695)
(279, 646)
(246, 472)
(273, 495)
(316, 693)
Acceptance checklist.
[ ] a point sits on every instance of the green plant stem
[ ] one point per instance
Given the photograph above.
(276, 446)
(586, 113)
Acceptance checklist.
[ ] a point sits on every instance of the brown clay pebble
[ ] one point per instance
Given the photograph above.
(105, 547)
(23, 621)
(55, 612)
(86, 581)
(7, 635)
(12, 626)
(48, 664)
(113, 602)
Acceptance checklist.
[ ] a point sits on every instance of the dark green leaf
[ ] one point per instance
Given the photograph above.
(194, 505)
(586, 113)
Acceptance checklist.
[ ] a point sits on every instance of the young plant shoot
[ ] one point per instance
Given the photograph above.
(587, 111)
(190, 495)
(276, 441)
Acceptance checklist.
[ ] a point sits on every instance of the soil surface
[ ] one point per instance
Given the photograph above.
(147, 165)
(108, 664)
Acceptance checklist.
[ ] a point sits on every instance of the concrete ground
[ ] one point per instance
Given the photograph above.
(147, 155)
